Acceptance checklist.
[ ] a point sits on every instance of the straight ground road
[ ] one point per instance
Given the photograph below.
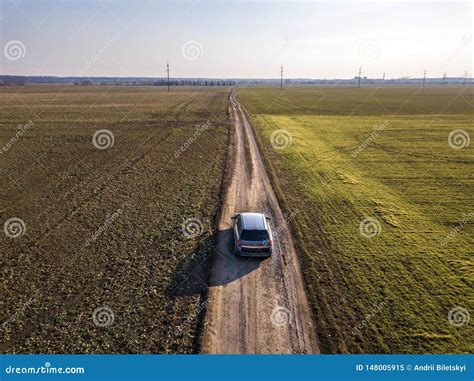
(255, 305)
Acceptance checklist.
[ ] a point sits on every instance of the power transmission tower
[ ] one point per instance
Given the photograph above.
(360, 72)
(168, 73)
(281, 77)
(424, 78)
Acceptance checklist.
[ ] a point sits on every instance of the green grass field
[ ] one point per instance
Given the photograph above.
(104, 227)
(379, 155)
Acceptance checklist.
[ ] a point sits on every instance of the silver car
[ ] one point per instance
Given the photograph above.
(252, 235)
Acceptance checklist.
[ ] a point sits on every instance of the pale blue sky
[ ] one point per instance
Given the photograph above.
(240, 39)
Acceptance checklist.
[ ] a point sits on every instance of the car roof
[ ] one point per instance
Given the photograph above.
(253, 221)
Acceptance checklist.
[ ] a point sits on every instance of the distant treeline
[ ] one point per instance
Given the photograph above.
(174, 82)
(7, 80)
(11, 80)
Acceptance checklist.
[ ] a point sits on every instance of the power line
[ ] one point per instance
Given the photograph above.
(168, 73)
(281, 77)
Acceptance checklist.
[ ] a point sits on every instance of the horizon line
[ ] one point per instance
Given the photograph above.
(234, 78)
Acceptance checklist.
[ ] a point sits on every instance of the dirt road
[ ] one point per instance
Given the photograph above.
(255, 305)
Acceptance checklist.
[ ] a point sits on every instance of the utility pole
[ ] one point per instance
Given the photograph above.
(424, 78)
(168, 73)
(281, 77)
(360, 72)
(466, 74)
(383, 78)
(444, 78)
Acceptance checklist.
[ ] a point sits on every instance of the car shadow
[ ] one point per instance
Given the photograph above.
(229, 266)
(213, 263)
(191, 275)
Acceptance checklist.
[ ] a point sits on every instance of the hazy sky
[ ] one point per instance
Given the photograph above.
(240, 39)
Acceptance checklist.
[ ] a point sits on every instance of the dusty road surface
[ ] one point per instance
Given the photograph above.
(255, 305)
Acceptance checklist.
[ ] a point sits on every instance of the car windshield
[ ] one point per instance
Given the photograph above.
(254, 235)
